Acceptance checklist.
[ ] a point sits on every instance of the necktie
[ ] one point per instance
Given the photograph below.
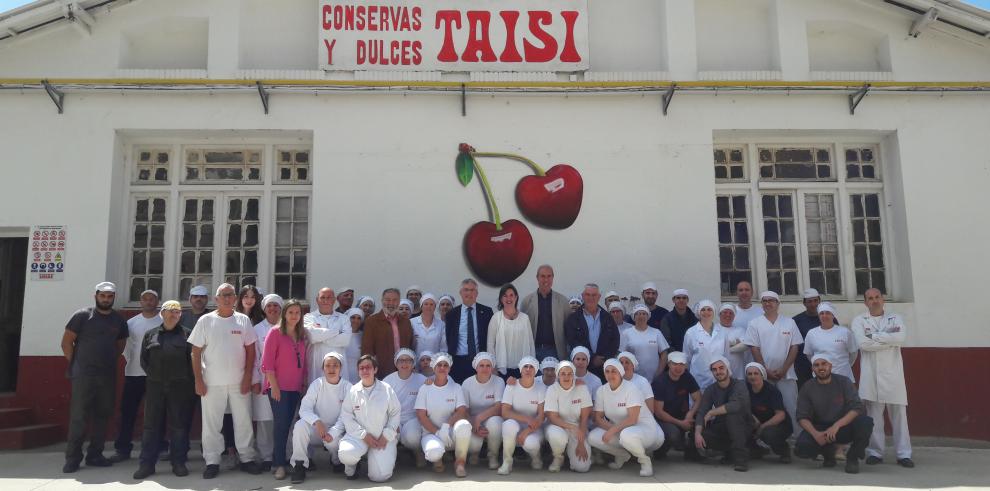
(472, 349)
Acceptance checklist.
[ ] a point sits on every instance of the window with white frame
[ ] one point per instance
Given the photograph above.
(235, 213)
(789, 220)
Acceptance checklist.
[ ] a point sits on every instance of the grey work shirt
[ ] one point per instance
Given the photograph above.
(828, 403)
(95, 353)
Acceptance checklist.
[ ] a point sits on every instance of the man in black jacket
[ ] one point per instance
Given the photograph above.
(593, 328)
(467, 330)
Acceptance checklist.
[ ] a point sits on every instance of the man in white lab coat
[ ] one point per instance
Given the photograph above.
(880, 336)
(328, 330)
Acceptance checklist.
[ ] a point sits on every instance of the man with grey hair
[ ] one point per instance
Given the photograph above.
(386, 332)
(547, 309)
(328, 331)
(467, 330)
(593, 328)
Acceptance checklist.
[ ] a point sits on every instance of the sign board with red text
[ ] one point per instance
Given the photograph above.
(454, 35)
(47, 252)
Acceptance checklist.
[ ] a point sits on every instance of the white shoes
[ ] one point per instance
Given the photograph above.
(618, 463)
(492, 462)
(506, 467)
(349, 470)
(536, 463)
(646, 467)
(556, 464)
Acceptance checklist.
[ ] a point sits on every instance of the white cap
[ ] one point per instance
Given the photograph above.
(574, 299)
(610, 293)
(677, 357)
(271, 298)
(404, 352)
(566, 364)
(827, 307)
(756, 365)
(333, 354)
(407, 302)
(482, 355)
(261, 291)
(704, 303)
(427, 296)
(727, 306)
(365, 299)
(151, 292)
(448, 297)
(649, 285)
(441, 356)
(629, 356)
(811, 293)
(529, 360)
(351, 312)
(770, 294)
(580, 349)
(549, 362)
(680, 292)
(344, 289)
(616, 364)
(106, 286)
(821, 356)
(424, 354)
(199, 290)
(716, 359)
(616, 305)
(640, 308)
(414, 288)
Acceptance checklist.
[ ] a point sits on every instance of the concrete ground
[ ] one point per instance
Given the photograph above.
(937, 468)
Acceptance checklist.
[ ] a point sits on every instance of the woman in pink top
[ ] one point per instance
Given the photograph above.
(282, 364)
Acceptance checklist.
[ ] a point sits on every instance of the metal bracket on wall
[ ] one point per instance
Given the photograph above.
(57, 96)
(667, 97)
(264, 95)
(464, 100)
(855, 99)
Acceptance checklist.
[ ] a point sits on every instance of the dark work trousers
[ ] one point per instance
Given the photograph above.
(775, 437)
(174, 400)
(461, 369)
(130, 401)
(856, 434)
(675, 437)
(730, 433)
(92, 404)
(283, 410)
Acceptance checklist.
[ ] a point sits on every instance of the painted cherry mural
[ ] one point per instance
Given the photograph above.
(500, 252)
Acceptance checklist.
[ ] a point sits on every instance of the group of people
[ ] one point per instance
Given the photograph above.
(540, 375)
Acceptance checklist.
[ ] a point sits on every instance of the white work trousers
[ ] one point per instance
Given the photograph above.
(264, 439)
(532, 443)
(562, 440)
(381, 462)
(411, 435)
(899, 425)
(494, 426)
(456, 438)
(634, 441)
(214, 405)
(304, 437)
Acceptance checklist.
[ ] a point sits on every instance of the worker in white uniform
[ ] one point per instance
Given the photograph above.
(773, 340)
(548, 370)
(483, 395)
(522, 412)
(618, 312)
(568, 408)
(354, 318)
(370, 416)
(746, 310)
(704, 342)
(319, 411)
(264, 431)
(833, 340)
(327, 330)
(880, 336)
(625, 427)
(424, 363)
(629, 363)
(443, 413)
(429, 333)
(739, 354)
(406, 384)
(581, 357)
(647, 343)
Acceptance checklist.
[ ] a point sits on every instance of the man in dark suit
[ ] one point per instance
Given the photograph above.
(467, 330)
(593, 328)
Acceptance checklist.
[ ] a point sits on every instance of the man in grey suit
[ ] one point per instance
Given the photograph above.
(547, 311)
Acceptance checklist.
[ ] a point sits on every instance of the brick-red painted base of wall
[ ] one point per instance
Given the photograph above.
(948, 391)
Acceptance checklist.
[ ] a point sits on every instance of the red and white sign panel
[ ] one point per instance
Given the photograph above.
(454, 35)
(47, 254)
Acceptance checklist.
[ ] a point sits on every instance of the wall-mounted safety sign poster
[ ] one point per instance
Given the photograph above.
(454, 35)
(47, 253)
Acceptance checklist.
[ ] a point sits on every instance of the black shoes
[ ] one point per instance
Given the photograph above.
(211, 471)
(740, 467)
(906, 462)
(70, 467)
(829, 462)
(337, 468)
(251, 468)
(98, 461)
(852, 466)
(266, 466)
(180, 470)
(298, 473)
(786, 458)
(873, 460)
(119, 457)
(143, 472)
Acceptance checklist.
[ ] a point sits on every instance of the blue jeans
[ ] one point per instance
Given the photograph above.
(283, 411)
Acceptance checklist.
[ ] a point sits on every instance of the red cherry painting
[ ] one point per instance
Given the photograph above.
(498, 256)
(552, 200)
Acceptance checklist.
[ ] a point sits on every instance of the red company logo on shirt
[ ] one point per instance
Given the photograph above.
(621, 404)
(785, 333)
(576, 401)
(235, 332)
(490, 396)
(356, 407)
(451, 400)
(414, 392)
(535, 403)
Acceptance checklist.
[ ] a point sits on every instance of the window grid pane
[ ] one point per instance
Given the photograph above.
(196, 246)
(861, 164)
(824, 272)
(868, 243)
(292, 166)
(733, 239)
(730, 164)
(291, 245)
(151, 165)
(147, 247)
(241, 248)
(796, 164)
(228, 165)
(781, 243)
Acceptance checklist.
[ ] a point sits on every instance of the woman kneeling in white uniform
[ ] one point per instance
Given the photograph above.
(406, 384)
(370, 415)
(568, 407)
(522, 410)
(625, 427)
(318, 414)
(629, 375)
(483, 394)
(442, 412)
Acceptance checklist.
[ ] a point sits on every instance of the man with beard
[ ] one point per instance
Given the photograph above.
(657, 313)
(676, 323)
(723, 420)
(93, 341)
(198, 297)
(806, 321)
(414, 294)
(386, 332)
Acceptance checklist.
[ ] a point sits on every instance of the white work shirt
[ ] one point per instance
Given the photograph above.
(371, 411)
(774, 340)
(223, 340)
(479, 397)
(137, 326)
(568, 403)
(625, 326)
(261, 330)
(640, 382)
(440, 402)
(739, 354)
(432, 339)
(647, 345)
(592, 382)
(881, 369)
(838, 343)
(701, 348)
(323, 401)
(406, 390)
(353, 353)
(743, 316)
(616, 403)
(525, 401)
(326, 333)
